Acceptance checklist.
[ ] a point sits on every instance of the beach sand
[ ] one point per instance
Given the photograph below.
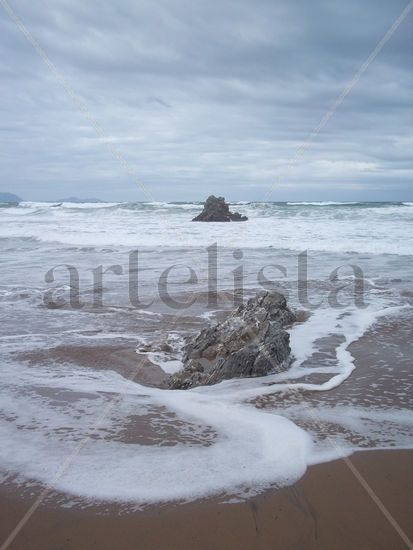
(327, 509)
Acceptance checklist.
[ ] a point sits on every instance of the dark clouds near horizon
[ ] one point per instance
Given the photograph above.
(206, 96)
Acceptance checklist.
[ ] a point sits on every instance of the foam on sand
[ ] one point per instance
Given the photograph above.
(251, 448)
(233, 447)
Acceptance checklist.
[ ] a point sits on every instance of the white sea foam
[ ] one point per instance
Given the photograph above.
(365, 228)
(47, 415)
(322, 203)
(89, 205)
(220, 441)
(251, 447)
(163, 360)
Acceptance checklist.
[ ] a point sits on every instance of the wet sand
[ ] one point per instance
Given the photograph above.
(121, 358)
(327, 509)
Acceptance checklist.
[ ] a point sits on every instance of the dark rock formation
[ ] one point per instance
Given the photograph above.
(217, 210)
(251, 342)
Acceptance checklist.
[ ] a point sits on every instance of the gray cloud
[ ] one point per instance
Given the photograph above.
(206, 97)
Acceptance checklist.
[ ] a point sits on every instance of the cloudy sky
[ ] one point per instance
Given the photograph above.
(176, 99)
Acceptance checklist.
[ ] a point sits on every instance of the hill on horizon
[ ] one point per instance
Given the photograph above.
(78, 200)
(9, 197)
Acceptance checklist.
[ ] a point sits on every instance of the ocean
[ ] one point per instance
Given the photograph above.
(89, 291)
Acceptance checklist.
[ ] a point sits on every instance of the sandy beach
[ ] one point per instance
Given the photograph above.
(328, 508)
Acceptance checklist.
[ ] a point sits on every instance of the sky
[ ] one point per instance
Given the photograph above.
(178, 99)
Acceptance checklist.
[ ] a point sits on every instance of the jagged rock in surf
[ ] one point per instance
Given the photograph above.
(251, 342)
(217, 210)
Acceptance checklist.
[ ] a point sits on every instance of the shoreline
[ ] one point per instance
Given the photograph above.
(327, 508)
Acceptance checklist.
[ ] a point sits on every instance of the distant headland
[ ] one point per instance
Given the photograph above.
(78, 200)
(9, 197)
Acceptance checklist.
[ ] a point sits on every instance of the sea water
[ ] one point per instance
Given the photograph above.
(83, 430)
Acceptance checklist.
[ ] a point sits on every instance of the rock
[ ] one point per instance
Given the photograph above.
(251, 342)
(217, 210)
(145, 348)
(166, 348)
